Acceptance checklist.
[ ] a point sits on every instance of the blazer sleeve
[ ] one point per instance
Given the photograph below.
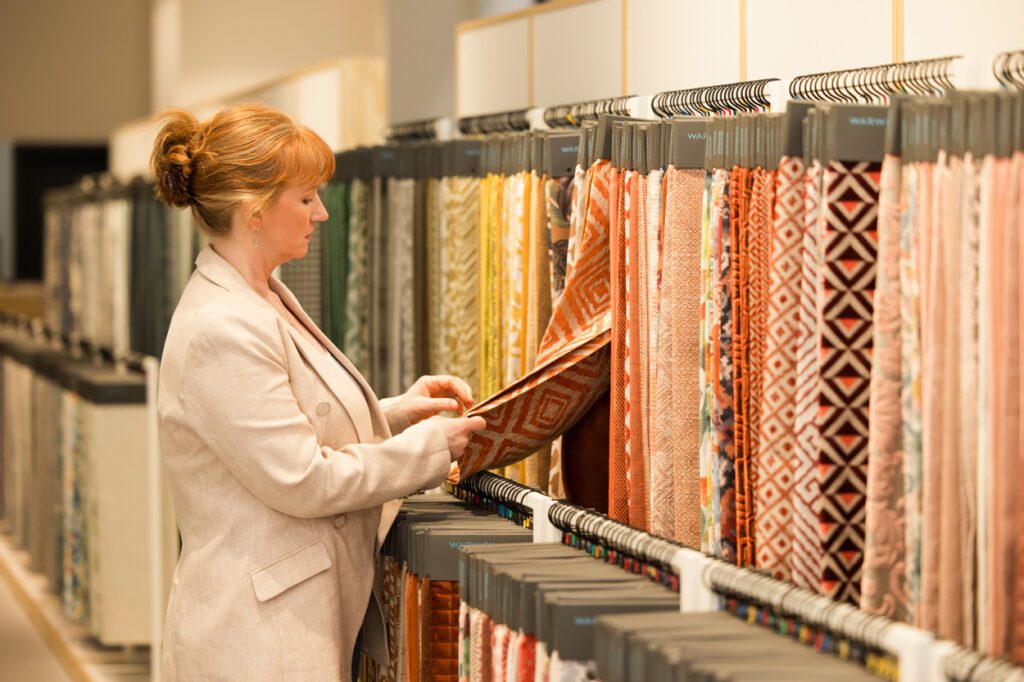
(237, 394)
(398, 420)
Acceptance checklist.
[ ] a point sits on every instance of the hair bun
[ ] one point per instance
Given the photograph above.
(172, 158)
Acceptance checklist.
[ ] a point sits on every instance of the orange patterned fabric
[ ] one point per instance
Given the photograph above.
(441, 644)
(675, 475)
(618, 491)
(572, 363)
(545, 403)
(410, 664)
(740, 186)
(634, 354)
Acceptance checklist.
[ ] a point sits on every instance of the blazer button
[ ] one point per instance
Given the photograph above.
(339, 521)
(322, 409)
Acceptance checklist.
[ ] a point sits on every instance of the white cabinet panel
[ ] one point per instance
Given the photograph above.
(492, 68)
(677, 44)
(578, 53)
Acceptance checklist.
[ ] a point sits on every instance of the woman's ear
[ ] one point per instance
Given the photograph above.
(253, 217)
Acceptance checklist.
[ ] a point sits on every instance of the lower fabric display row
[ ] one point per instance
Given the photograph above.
(469, 597)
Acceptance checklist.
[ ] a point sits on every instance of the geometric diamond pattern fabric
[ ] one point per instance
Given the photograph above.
(849, 248)
(777, 429)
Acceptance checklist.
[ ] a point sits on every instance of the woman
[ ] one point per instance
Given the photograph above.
(282, 463)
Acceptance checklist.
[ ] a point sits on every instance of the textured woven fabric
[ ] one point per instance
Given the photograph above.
(650, 254)
(548, 401)
(970, 382)
(583, 309)
(515, 289)
(488, 373)
(986, 365)
(75, 593)
(460, 283)
(713, 186)
(378, 256)
(723, 412)
(464, 641)
(759, 235)
(410, 650)
(391, 593)
(636, 346)
(882, 585)
(807, 555)
(477, 634)
(773, 533)
(526, 658)
(401, 324)
(1016, 602)
(741, 183)
(675, 474)
(910, 366)
(538, 309)
(560, 210)
(356, 342)
(442, 642)
(435, 303)
(618, 467)
(499, 652)
(1003, 302)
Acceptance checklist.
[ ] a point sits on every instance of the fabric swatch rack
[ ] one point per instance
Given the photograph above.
(74, 479)
(116, 262)
(746, 96)
(879, 84)
(438, 129)
(495, 123)
(573, 115)
(1008, 68)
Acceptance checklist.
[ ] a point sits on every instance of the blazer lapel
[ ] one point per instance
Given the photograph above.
(365, 405)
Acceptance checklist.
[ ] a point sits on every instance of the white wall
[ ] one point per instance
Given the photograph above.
(421, 57)
(675, 44)
(212, 49)
(978, 30)
(73, 70)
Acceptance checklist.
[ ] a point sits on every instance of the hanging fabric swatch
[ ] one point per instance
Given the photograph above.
(572, 365)
(675, 471)
(883, 588)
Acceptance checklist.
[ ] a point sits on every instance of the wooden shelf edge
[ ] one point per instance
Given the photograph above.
(18, 580)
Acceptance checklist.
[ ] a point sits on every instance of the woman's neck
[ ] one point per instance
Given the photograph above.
(250, 262)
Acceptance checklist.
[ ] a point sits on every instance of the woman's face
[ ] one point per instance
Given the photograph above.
(288, 224)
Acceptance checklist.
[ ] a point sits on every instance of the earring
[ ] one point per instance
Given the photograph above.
(256, 240)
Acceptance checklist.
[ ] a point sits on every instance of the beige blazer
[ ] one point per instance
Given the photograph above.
(283, 472)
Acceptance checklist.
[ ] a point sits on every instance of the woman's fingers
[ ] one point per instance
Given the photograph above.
(448, 386)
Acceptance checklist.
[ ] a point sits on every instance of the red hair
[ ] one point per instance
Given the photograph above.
(245, 154)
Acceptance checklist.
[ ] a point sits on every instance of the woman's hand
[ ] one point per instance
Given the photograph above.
(431, 395)
(459, 430)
